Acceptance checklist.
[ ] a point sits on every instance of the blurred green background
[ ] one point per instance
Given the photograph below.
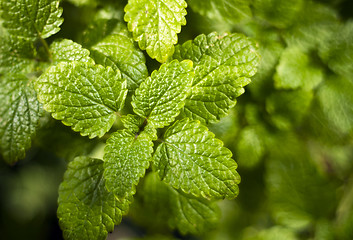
(291, 132)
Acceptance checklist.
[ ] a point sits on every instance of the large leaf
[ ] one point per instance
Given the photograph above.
(161, 96)
(19, 115)
(223, 10)
(86, 209)
(155, 25)
(31, 18)
(65, 50)
(119, 51)
(82, 95)
(16, 54)
(126, 158)
(190, 158)
(223, 66)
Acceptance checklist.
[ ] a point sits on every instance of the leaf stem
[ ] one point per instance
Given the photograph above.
(46, 47)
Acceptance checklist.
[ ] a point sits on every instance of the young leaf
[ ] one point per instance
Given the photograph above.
(16, 54)
(119, 52)
(65, 50)
(126, 158)
(186, 213)
(31, 19)
(86, 209)
(19, 115)
(231, 11)
(192, 159)
(297, 70)
(155, 25)
(82, 95)
(190, 214)
(223, 65)
(161, 96)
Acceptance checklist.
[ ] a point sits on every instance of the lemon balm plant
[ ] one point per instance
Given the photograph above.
(153, 126)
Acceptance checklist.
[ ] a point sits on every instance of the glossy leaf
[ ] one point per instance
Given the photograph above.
(19, 116)
(161, 96)
(126, 158)
(65, 50)
(82, 95)
(223, 66)
(86, 209)
(119, 52)
(31, 18)
(16, 54)
(190, 158)
(155, 25)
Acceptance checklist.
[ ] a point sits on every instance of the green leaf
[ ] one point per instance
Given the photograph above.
(336, 100)
(250, 147)
(288, 108)
(192, 215)
(186, 213)
(280, 14)
(19, 115)
(297, 70)
(126, 158)
(65, 50)
(16, 55)
(191, 159)
(119, 52)
(161, 96)
(86, 209)
(31, 18)
(82, 95)
(338, 51)
(155, 25)
(231, 11)
(223, 66)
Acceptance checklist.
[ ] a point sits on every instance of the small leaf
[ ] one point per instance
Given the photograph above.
(19, 116)
(16, 54)
(192, 159)
(86, 209)
(186, 213)
(126, 159)
(82, 95)
(192, 215)
(161, 96)
(31, 19)
(297, 70)
(231, 11)
(223, 65)
(119, 52)
(65, 50)
(155, 25)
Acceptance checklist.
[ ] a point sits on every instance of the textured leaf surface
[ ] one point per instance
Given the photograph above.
(86, 209)
(82, 95)
(126, 158)
(227, 10)
(16, 54)
(223, 66)
(192, 159)
(183, 212)
(65, 50)
(297, 70)
(19, 115)
(31, 18)
(161, 96)
(119, 52)
(155, 25)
